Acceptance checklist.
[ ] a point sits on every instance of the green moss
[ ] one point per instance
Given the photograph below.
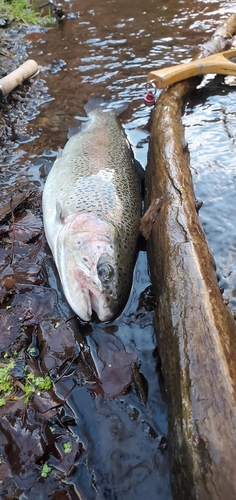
(22, 12)
(67, 447)
(33, 383)
(29, 384)
(32, 350)
(45, 470)
(5, 381)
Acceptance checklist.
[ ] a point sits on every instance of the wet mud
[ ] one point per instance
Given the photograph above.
(99, 430)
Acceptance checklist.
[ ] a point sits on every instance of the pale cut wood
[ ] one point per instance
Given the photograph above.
(217, 63)
(9, 82)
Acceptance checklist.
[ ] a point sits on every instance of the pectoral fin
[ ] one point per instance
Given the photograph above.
(59, 212)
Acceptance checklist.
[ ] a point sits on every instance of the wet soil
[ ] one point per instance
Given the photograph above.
(102, 427)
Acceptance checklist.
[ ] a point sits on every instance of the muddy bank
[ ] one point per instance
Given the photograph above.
(13, 107)
(117, 445)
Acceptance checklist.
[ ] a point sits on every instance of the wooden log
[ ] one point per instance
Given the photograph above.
(196, 332)
(11, 81)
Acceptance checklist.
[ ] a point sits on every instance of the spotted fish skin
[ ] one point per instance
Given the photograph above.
(91, 211)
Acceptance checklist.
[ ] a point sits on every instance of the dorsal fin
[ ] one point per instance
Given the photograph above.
(73, 131)
(100, 102)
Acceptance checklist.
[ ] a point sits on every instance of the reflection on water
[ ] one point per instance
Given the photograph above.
(107, 48)
(210, 132)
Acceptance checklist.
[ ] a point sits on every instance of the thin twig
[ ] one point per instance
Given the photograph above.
(13, 231)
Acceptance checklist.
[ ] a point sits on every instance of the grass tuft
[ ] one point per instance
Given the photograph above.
(21, 11)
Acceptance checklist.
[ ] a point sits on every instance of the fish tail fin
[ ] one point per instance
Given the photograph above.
(94, 103)
(100, 102)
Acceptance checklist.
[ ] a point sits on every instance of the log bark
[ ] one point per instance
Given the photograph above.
(196, 332)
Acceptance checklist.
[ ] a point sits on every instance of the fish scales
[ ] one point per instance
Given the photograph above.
(111, 192)
(96, 178)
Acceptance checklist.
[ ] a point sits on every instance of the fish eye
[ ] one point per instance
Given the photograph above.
(105, 272)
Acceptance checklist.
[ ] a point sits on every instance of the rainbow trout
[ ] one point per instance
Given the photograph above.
(91, 212)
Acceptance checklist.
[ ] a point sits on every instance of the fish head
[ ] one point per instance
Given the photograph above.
(88, 260)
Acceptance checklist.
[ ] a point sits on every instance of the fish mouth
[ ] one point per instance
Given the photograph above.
(94, 302)
(91, 301)
(87, 310)
(93, 297)
(100, 308)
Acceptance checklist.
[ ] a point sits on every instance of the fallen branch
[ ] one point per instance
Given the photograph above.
(14, 204)
(13, 231)
(196, 332)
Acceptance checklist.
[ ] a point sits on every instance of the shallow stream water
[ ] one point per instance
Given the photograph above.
(107, 48)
